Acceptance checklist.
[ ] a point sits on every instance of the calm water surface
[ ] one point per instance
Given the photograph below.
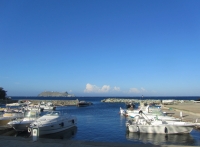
(102, 122)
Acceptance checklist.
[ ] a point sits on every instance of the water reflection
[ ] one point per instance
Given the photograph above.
(66, 134)
(161, 139)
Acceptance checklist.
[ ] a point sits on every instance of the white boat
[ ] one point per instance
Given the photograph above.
(23, 124)
(122, 111)
(158, 116)
(145, 109)
(53, 122)
(152, 113)
(13, 104)
(83, 104)
(47, 106)
(133, 112)
(20, 103)
(42, 106)
(8, 116)
(142, 124)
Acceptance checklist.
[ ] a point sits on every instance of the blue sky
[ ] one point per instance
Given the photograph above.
(100, 47)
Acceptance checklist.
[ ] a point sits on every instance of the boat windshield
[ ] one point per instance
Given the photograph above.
(53, 113)
(31, 114)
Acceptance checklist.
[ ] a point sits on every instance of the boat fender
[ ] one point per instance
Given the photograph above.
(138, 129)
(72, 121)
(29, 130)
(166, 130)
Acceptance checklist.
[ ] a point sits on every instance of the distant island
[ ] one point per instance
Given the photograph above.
(55, 94)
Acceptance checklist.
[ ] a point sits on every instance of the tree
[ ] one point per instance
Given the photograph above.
(2, 93)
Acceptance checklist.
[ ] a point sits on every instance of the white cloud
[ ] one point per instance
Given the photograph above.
(116, 88)
(95, 89)
(136, 90)
(142, 89)
(89, 88)
(105, 88)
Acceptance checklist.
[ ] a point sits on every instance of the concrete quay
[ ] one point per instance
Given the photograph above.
(190, 111)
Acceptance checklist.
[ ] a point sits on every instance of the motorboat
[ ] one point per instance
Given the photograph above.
(2, 109)
(42, 106)
(159, 115)
(145, 109)
(142, 124)
(47, 106)
(24, 102)
(13, 104)
(83, 104)
(23, 124)
(20, 103)
(122, 111)
(135, 111)
(152, 113)
(8, 116)
(53, 122)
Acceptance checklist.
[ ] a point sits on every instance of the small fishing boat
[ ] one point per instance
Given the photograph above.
(122, 111)
(83, 104)
(23, 124)
(8, 116)
(41, 106)
(53, 122)
(142, 124)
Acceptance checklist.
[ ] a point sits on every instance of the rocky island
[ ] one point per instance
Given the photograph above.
(55, 94)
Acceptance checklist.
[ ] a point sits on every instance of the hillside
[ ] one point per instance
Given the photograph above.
(55, 94)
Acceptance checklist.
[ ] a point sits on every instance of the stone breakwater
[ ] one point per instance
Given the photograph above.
(57, 102)
(147, 101)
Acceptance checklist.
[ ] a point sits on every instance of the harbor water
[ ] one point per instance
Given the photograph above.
(101, 122)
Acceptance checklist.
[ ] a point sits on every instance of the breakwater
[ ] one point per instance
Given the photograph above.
(57, 102)
(147, 101)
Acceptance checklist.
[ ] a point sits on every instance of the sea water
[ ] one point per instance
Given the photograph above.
(101, 122)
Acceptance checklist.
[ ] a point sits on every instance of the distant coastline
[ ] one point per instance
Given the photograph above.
(55, 94)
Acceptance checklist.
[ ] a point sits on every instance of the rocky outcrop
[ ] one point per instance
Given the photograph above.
(55, 94)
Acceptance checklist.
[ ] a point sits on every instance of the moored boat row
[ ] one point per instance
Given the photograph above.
(146, 119)
(42, 117)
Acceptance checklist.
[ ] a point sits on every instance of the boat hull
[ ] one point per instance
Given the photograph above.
(21, 126)
(161, 129)
(54, 128)
(49, 125)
